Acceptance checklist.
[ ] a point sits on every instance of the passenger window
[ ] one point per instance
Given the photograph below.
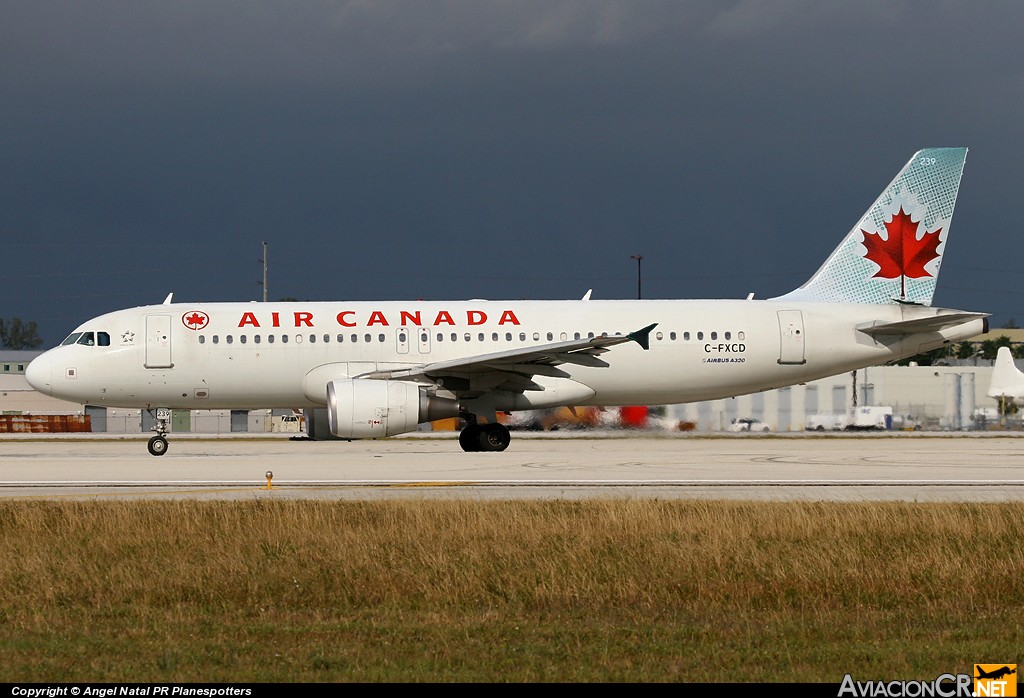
(341, 338)
(216, 339)
(440, 337)
(455, 337)
(494, 336)
(686, 336)
(355, 338)
(481, 336)
(536, 336)
(242, 339)
(467, 336)
(700, 335)
(256, 339)
(284, 339)
(312, 339)
(366, 338)
(740, 335)
(550, 336)
(522, 336)
(728, 336)
(270, 339)
(714, 335)
(659, 336)
(229, 339)
(202, 339)
(298, 339)
(576, 336)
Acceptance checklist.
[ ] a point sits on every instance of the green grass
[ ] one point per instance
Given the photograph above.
(624, 590)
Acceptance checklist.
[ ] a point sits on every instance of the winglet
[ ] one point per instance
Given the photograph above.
(643, 337)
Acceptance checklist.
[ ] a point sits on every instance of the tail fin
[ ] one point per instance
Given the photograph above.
(1007, 380)
(894, 252)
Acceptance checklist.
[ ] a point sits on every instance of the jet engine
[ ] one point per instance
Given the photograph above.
(362, 408)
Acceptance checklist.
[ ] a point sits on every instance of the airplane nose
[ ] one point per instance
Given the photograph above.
(39, 373)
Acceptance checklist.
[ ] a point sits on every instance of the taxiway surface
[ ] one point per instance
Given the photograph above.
(832, 468)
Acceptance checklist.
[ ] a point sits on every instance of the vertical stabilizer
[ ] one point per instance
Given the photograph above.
(894, 252)
(1007, 379)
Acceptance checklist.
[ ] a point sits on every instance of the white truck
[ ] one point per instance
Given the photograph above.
(826, 422)
(869, 417)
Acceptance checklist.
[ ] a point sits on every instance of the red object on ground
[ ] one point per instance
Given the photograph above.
(633, 416)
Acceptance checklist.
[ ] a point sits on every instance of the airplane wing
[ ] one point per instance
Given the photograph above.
(513, 369)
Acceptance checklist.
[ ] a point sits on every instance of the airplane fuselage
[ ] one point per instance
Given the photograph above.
(263, 355)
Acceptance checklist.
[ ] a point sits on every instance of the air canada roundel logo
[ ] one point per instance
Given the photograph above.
(195, 320)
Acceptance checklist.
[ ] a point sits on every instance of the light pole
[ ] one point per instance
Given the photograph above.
(638, 258)
(263, 283)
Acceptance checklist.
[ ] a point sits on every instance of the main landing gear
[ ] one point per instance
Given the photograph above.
(484, 437)
(158, 444)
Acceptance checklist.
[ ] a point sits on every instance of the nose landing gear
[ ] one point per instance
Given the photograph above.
(158, 444)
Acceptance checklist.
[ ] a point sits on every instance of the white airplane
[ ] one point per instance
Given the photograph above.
(1007, 379)
(375, 369)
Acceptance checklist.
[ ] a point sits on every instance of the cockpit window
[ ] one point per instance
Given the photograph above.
(88, 339)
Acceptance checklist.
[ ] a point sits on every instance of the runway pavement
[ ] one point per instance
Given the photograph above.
(894, 466)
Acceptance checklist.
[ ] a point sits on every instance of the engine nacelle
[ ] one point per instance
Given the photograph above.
(362, 408)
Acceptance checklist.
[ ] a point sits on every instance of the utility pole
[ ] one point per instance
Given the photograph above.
(638, 258)
(264, 260)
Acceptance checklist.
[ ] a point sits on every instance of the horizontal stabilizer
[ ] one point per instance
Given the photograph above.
(933, 323)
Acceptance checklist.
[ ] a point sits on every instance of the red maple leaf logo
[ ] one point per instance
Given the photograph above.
(902, 254)
(195, 320)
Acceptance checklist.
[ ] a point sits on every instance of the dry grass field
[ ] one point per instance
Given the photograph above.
(517, 591)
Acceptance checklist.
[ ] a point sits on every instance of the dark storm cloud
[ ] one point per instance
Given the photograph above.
(487, 149)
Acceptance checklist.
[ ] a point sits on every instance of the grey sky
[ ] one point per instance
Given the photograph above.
(417, 149)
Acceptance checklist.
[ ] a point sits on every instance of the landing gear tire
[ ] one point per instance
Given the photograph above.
(494, 437)
(469, 438)
(158, 446)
